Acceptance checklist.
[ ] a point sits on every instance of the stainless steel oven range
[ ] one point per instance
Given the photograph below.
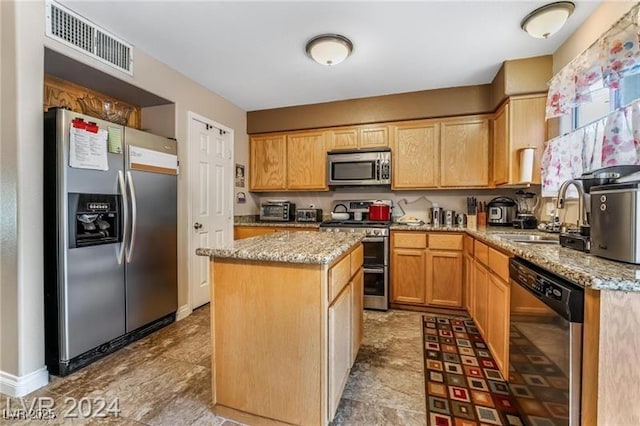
(376, 249)
(545, 345)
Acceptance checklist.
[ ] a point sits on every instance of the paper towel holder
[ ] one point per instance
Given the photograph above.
(526, 155)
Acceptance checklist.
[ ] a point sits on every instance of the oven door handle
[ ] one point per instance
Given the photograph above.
(373, 270)
(373, 240)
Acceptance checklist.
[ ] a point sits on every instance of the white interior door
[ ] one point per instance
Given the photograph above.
(211, 186)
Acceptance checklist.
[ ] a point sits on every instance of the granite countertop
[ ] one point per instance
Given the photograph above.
(288, 247)
(582, 268)
(313, 225)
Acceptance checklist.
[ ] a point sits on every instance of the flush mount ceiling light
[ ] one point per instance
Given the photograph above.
(548, 19)
(329, 49)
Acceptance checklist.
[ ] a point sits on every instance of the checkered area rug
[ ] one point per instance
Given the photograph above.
(463, 384)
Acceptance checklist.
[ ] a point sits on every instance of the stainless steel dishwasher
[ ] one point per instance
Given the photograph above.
(545, 345)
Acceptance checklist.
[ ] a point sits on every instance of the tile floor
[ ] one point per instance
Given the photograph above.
(164, 379)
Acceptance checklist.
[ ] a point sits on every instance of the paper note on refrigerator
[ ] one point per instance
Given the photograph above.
(88, 148)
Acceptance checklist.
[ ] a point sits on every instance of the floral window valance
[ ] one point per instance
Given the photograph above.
(611, 58)
(611, 141)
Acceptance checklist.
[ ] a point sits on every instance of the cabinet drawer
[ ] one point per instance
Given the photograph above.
(481, 252)
(468, 245)
(410, 239)
(499, 263)
(445, 242)
(357, 257)
(339, 276)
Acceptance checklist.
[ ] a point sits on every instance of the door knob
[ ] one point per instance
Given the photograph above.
(197, 225)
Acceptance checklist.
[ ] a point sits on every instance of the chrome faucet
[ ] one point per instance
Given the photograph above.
(582, 200)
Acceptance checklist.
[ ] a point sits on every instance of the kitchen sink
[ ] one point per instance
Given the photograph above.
(527, 238)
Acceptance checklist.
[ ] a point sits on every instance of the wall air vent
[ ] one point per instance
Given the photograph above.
(79, 33)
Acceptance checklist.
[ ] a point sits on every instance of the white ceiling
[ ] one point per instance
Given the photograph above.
(252, 53)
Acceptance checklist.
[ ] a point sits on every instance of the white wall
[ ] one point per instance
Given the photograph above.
(23, 42)
(605, 15)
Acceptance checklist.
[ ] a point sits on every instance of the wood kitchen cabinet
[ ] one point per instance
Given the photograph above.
(295, 161)
(240, 232)
(415, 155)
(467, 277)
(444, 278)
(518, 123)
(306, 161)
(481, 282)
(340, 317)
(498, 322)
(426, 269)
(268, 161)
(360, 137)
(444, 270)
(464, 146)
(357, 322)
(296, 335)
(487, 277)
(408, 276)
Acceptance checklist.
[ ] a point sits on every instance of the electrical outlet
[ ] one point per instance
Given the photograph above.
(550, 208)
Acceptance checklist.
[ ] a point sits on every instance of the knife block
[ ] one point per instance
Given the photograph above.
(472, 222)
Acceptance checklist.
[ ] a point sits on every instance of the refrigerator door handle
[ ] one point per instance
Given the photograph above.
(134, 214)
(125, 216)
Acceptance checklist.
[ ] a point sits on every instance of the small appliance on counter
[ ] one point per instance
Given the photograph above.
(309, 215)
(278, 211)
(502, 211)
(527, 203)
(574, 240)
(615, 227)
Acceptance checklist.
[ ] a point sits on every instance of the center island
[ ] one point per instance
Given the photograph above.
(286, 325)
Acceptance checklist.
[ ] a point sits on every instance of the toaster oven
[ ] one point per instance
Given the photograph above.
(309, 215)
(277, 211)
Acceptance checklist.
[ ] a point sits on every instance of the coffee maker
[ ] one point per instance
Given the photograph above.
(527, 203)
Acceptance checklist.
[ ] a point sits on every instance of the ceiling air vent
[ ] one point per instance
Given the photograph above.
(81, 34)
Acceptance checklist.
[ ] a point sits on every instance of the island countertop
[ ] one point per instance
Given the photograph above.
(288, 247)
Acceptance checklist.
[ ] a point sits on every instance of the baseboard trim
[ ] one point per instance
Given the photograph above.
(183, 312)
(17, 386)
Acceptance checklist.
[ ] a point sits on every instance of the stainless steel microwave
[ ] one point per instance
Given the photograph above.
(357, 168)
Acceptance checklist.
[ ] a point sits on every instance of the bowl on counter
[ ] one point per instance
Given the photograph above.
(339, 215)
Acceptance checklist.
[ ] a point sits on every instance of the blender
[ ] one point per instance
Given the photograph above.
(527, 204)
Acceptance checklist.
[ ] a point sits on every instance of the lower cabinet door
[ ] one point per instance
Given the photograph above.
(469, 285)
(340, 318)
(498, 322)
(444, 278)
(408, 276)
(357, 305)
(481, 278)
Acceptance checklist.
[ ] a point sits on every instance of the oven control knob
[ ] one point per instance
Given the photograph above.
(376, 232)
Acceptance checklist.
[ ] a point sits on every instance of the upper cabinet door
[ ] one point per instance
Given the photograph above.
(374, 137)
(465, 153)
(361, 137)
(501, 146)
(346, 138)
(526, 127)
(518, 124)
(268, 163)
(306, 161)
(415, 155)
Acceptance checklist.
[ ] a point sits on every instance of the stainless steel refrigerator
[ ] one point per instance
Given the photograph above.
(110, 237)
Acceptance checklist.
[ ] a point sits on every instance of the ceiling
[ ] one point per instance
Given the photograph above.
(252, 53)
